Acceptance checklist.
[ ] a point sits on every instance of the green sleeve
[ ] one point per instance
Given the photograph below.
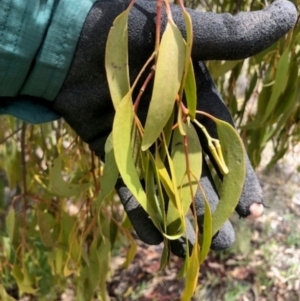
(37, 43)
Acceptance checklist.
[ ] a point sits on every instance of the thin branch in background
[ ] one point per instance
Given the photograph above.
(24, 175)
(23, 157)
(10, 135)
(92, 170)
(238, 6)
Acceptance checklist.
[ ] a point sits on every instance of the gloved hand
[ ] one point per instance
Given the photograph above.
(84, 100)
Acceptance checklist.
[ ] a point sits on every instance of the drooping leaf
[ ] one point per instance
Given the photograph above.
(116, 58)
(24, 283)
(187, 189)
(168, 134)
(10, 223)
(191, 275)
(131, 253)
(174, 204)
(166, 83)
(207, 231)
(190, 90)
(165, 256)
(45, 223)
(281, 80)
(218, 68)
(122, 126)
(110, 172)
(154, 189)
(189, 78)
(4, 295)
(233, 182)
(59, 185)
(176, 226)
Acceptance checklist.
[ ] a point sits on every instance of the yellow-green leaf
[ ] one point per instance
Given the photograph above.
(190, 90)
(10, 223)
(122, 126)
(281, 80)
(45, 223)
(116, 58)
(168, 75)
(59, 185)
(24, 283)
(110, 172)
(207, 231)
(233, 182)
(130, 253)
(218, 68)
(4, 295)
(187, 189)
(192, 273)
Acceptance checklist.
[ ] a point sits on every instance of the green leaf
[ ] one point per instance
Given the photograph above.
(59, 185)
(116, 58)
(218, 69)
(189, 78)
(59, 260)
(233, 182)
(10, 223)
(207, 231)
(168, 134)
(122, 126)
(130, 253)
(104, 257)
(4, 296)
(45, 223)
(251, 87)
(168, 75)
(24, 283)
(176, 228)
(153, 187)
(281, 80)
(192, 273)
(110, 172)
(187, 189)
(190, 90)
(165, 256)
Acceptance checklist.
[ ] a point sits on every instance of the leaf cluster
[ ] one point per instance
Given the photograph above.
(161, 162)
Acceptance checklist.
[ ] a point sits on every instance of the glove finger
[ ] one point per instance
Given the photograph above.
(224, 238)
(217, 36)
(221, 240)
(251, 201)
(140, 220)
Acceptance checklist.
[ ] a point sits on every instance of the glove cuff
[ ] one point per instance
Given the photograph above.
(38, 42)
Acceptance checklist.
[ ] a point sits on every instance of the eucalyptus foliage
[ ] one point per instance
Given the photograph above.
(60, 226)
